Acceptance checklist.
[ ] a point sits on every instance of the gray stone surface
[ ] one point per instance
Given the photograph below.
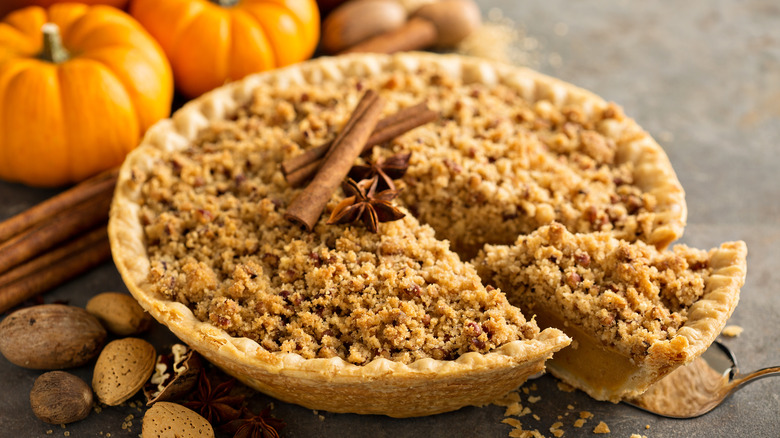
(703, 77)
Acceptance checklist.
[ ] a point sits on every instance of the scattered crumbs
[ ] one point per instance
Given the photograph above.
(514, 422)
(62, 426)
(555, 429)
(586, 414)
(636, 435)
(565, 387)
(513, 409)
(570, 407)
(501, 39)
(536, 417)
(49, 432)
(534, 398)
(560, 417)
(508, 399)
(315, 412)
(526, 391)
(66, 433)
(580, 422)
(732, 331)
(526, 411)
(520, 433)
(534, 387)
(601, 428)
(321, 417)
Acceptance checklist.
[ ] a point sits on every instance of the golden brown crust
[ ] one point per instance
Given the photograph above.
(334, 384)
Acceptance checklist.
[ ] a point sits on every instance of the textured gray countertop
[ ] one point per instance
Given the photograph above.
(703, 77)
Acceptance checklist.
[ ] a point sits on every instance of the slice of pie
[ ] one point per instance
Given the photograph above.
(392, 323)
(635, 313)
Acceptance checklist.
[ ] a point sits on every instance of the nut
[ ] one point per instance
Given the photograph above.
(58, 397)
(358, 20)
(164, 417)
(454, 20)
(119, 313)
(175, 374)
(122, 368)
(50, 337)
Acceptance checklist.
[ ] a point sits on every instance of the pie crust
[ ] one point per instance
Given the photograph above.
(425, 386)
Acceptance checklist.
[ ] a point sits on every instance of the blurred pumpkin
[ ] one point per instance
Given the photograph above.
(79, 85)
(210, 42)
(7, 6)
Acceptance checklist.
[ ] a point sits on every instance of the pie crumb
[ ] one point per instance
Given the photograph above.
(509, 399)
(514, 422)
(732, 331)
(601, 428)
(569, 407)
(534, 399)
(580, 422)
(536, 417)
(520, 433)
(555, 429)
(514, 409)
(565, 387)
(636, 435)
(586, 414)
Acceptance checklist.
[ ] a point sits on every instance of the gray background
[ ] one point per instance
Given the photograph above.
(703, 77)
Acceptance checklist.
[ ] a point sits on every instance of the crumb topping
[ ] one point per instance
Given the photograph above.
(629, 295)
(494, 166)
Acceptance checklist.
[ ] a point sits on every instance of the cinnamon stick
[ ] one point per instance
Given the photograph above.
(99, 184)
(71, 263)
(307, 207)
(301, 168)
(53, 257)
(54, 230)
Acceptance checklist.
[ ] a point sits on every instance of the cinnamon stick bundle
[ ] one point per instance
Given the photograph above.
(307, 207)
(301, 168)
(55, 240)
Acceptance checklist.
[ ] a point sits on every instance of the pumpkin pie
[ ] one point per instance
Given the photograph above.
(394, 322)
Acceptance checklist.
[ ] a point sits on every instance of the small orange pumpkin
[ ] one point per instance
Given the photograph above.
(210, 42)
(79, 85)
(7, 6)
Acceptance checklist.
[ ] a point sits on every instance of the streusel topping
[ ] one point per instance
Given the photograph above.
(629, 295)
(495, 165)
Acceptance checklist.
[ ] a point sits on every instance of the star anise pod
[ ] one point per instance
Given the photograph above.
(363, 203)
(386, 169)
(262, 425)
(215, 403)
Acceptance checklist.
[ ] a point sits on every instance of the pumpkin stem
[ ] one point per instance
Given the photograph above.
(225, 3)
(53, 50)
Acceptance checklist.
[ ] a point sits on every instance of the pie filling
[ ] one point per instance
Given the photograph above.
(618, 301)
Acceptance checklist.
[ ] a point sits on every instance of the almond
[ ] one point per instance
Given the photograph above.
(51, 337)
(122, 369)
(119, 313)
(165, 419)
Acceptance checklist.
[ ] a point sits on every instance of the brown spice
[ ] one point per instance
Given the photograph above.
(364, 204)
(301, 168)
(307, 207)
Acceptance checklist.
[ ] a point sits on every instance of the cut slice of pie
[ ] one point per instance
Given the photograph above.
(635, 313)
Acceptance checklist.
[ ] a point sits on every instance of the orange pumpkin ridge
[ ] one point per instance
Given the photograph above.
(79, 86)
(210, 42)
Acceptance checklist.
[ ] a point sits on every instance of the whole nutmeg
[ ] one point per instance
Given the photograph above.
(358, 20)
(122, 368)
(454, 20)
(164, 417)
(50, 337)
(58, 397)
(119, 313)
